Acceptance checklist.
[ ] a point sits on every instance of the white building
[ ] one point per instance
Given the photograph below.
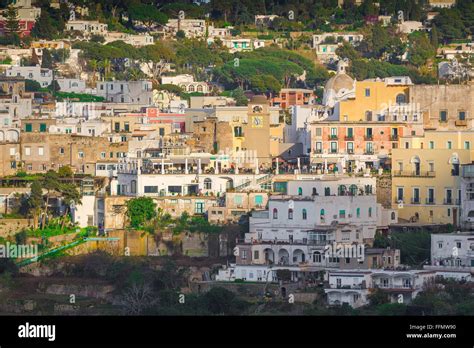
(74, 86)
(41, 75)
(326, 44)
(467, 196)
(191, 27)
(126, 91)
(353, 286)
(136, 40)
(87, 28)
(240, 45)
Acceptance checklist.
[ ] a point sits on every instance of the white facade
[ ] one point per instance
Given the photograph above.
(467, 197)
(126, 91)
(74, 86)
(452, 250)
(87, 27)
(43, 76)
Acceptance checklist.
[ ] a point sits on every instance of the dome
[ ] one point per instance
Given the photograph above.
(339, 81)
(259, 99)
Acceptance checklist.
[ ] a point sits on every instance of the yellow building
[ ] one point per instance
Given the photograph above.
(371, 97)
(426, 175)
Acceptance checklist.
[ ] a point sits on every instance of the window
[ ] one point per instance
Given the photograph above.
(319, 147)
(350, 132)
(27, 151)
(43, 127)
(275, 213)
(327, 191)
(400, 99)
(443, 116)
(462, 115)
(150, 189)
(259, 200)
(199, 208)
(28, 127)
(342, 214)
(256, 256)
(322, 215)
(358, 212)
(333, 147)
(305, 214)
(430, 199)
(416, 195)
(238, 131)
(40, 151)
(400, 194)
(238, 200)
(458, 245)
(467, 145)
(318, 132)
(449, 145)
(243, 255)
(80, 154)
(102, 155)
(350, 147)
(370, 212)
(133, 186)
(431, 145)
(207, 184)
(368, 116)
(290, 214)
(367, 92)
(300, 191)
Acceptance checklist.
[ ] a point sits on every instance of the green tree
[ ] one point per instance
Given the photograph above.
(32, 86)
(420, 49)
(149, 15)
(44, 27)
(12, 25)
(239, 96)
(140, 210)
(65, 172)
(47, 61)
(70, 195)
(51, 184)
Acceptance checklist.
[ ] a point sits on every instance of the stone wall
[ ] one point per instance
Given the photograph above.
(384, 190)
(9, 227)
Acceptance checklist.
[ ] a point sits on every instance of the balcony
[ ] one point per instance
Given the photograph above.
(430, 201)
(368, 137)
(333, 137)
(401, 173)
(368, 152)
(318, 150)
(394, 137)
(415, 200)
(349, 138)
(451, 201)
(461, 123)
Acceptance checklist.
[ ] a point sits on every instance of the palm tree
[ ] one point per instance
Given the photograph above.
(107, 66)
(93, 64)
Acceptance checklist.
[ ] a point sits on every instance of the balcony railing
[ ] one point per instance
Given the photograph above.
(368, 137)
(461, 123)
(415, 201)
(401, 173)
(430, 201)
(332, 137)
(451, 201)
(349, 138)
(394, 137)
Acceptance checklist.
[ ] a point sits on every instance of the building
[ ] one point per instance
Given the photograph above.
(442, 3)
(294, 96)
(452, 255)
(467, 196)
(354, 286)
(41, 75)
(426, 176)
(444, 106)
(126, 91)
(87, 28)
(326, 44)
(191, 27)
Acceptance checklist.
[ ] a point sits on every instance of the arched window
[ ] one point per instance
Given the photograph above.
(207, 184)
(401, 99)
(370, 212)
(353, 190)
(199, 88)
(368, 116)
(275, 213)
(305, 214)
(315, 192)
(300, 191)
(327, 191)
(342, 190)
(358, 212)
(290, 214)
(322, 217)
(191, 88)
